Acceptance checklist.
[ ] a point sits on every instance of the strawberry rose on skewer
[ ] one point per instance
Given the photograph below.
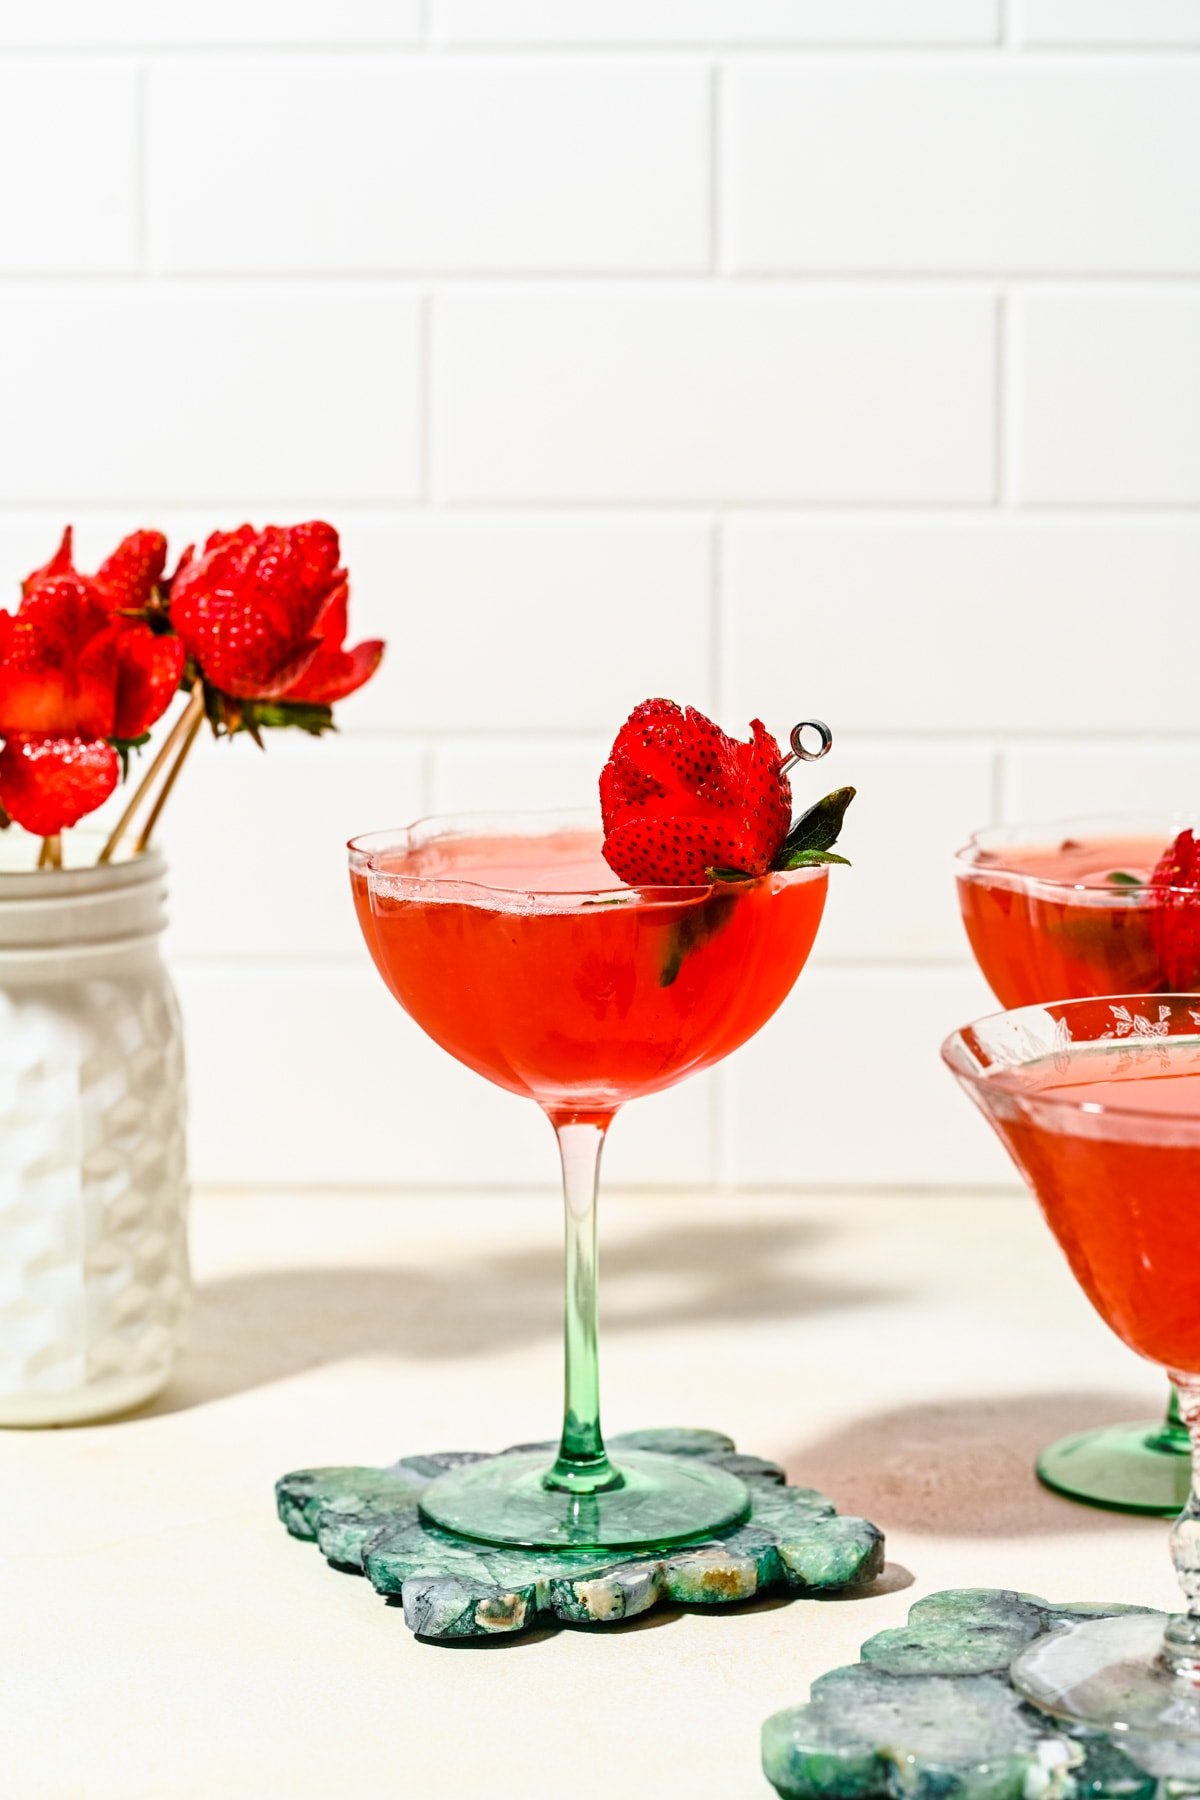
(263, 617)
(1175, 919)
(84, 676)
(685, 804)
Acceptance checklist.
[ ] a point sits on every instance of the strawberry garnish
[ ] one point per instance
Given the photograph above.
(680, 798)
(335, 672)
(1175, 916)
(125, 582)
(247, 606)
(60, 563)
(263, 616)
(129, 577)
(58, 662)
(684, 805)
(79, 681)
(149, 670)
(50, 783)
(253, 626)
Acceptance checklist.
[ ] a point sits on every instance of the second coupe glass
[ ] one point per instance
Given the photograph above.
(1061, 910)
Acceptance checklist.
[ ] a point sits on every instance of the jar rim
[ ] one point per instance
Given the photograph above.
(42, 887)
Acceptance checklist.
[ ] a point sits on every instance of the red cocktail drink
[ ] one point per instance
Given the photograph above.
(1098, 1103)
(1062, 919)
(1108, 1138)
(525, 958)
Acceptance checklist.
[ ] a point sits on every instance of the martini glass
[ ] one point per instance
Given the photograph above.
(514, 946)
(1098, 1104)
(1047, 920)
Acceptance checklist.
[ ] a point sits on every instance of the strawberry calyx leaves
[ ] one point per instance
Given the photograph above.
(125, 747)
(228, 715)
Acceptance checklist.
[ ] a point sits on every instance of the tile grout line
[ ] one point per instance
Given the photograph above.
(715, 126)
(1148, 516)
(812, 50)
(1007, 409)
(581, 283)
(999, 796)
(1000, 402)
(718, 623)
(141, 158)
(425, 496)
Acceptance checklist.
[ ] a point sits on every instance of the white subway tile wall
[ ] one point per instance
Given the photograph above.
(786, 356)
(1093, 24)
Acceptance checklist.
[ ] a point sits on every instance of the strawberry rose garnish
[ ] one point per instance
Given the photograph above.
(1175, 918)
(263, 616)
(684, 804)
(82, 677)
(252, 628)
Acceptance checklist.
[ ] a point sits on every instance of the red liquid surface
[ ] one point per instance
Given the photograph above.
(592, 998)
(1043, 943)
(1119, 1182)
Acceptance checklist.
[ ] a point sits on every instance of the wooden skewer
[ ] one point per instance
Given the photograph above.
(50, 854)
(196, 708)
(187, 724)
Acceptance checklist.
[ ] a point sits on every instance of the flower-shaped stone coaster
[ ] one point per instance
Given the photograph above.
(454, 1587)
(929, 1713)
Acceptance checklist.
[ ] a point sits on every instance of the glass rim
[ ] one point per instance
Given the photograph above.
(955, 1050)
(365, 847)
(970, 869)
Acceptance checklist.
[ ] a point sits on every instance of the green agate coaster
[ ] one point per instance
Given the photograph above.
(368, 1520)
(930, 1713)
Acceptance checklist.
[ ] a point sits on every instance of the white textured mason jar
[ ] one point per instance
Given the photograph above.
(94, 1285)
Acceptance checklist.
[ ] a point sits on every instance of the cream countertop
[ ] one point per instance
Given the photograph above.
(164, 1637)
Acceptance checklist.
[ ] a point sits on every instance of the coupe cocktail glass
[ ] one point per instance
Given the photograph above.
(512, 944)
(1098, 1104)
(1047, 921)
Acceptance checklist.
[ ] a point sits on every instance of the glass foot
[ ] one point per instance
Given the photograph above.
(1107, 1674)
(662, 1500)
(1135, 1468)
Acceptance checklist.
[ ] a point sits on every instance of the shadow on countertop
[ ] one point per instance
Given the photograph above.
(963, 1467)
(264, 1326)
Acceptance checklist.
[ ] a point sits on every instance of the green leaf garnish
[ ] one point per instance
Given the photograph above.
(808, 844)
(815, 832)
(1122, 878)
(807, 859)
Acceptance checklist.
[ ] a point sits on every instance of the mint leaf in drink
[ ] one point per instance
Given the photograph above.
(1122, 878)
(698, 924)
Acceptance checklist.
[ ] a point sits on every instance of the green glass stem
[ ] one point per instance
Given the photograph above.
(582, 1465)
(1172, 1435)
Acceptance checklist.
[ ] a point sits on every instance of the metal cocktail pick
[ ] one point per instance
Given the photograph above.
(799, 751)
